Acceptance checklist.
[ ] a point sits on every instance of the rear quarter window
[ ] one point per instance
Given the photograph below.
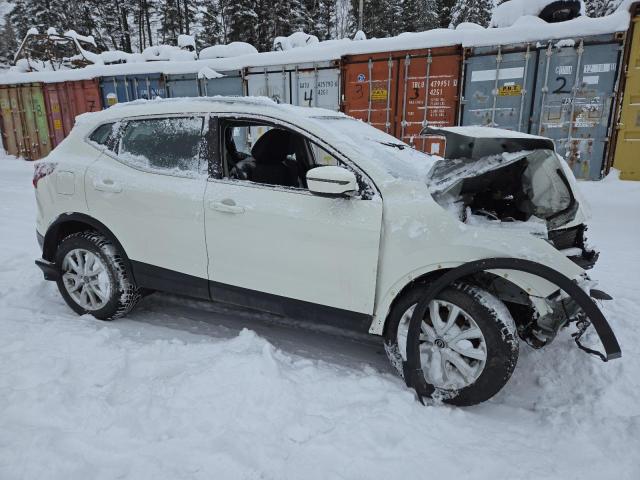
(105, 135)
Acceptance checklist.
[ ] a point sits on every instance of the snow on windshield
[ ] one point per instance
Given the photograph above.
(387, 153)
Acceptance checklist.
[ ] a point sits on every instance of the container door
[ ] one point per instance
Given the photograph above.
(9, 127)
(86, 96)
(147, 86)
(275, 84)
(114, 90)
(17, 116)
(40, 117)
(34, 121)
(369, 92)
(182, 85)
(229, 84)
(317, 87)
(432, 81)
(498, 89)
(573, 103)
(627, 157)
(54, 113)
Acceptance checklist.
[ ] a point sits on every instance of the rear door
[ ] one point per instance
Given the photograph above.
(282, 246)
(148, 191)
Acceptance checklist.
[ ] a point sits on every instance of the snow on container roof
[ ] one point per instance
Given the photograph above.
(525, 29)
(507, 13)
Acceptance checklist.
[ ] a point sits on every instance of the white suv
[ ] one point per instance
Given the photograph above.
(311, 214)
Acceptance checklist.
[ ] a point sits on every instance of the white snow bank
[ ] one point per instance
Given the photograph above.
(167, 53)
(186, 41)
(208, 73)
(295, 40)
(233, 49)
(506, 14)
(180, 390)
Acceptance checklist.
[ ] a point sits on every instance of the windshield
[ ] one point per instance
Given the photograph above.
(387, 152)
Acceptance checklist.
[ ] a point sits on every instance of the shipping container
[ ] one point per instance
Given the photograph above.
(189, 85)
(66, 100)
(24, 123)
(499, 86)
(389, 90)
(125, 88)
(370, 86)
(428, 95)
(306, 84)
(229, 83)
(626, 154)
(182, 85)
(574, 97)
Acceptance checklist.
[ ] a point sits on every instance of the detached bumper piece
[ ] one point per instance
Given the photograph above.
(412, 368)
(48, 269)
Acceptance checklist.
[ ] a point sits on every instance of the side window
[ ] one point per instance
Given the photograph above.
(165, 145)
(264, 153)
(106, 135)
(323, 158)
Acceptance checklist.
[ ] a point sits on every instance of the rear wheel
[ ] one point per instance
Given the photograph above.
(468, 343)
(93, 278)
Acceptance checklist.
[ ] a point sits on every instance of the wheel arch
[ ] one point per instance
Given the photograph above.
(533, 288)
(73, 222)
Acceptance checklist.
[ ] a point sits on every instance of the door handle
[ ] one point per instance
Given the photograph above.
(226, 206)
(107, 185)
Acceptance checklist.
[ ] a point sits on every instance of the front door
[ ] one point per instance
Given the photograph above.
(269, 238)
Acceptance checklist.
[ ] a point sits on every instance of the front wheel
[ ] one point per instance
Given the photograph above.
(93, 278)
(468, 342)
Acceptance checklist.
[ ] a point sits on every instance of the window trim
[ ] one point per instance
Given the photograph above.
(309, 137)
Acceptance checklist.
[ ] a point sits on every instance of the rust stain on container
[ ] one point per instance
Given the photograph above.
(401, 92)
(66, 100)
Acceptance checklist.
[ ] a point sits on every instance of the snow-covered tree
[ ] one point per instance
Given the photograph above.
(420, 15)
(599, 8)
(474, 11)
(8, 43)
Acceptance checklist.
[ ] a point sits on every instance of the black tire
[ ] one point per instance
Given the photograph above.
(124, 293)
(498, 329)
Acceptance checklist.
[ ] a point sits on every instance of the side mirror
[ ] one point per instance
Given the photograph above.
(332, 181)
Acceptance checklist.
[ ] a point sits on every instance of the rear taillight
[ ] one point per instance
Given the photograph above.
(41, 170)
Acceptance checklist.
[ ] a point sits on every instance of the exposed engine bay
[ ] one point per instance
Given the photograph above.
(514, 183)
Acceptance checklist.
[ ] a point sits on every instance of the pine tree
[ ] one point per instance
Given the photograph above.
(211, 24)
(242, 19)
(474, 11)
(8, 43)
(420, 15)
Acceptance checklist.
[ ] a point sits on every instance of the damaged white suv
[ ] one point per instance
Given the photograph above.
(314, 215)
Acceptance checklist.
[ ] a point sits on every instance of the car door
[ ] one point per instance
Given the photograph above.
(148, 187)
(279, 248)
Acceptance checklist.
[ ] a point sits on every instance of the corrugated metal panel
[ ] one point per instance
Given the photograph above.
(273, 82)
(34, 120)
(627, 145)
(66, 100)
(430, 75)
(182, 85)
(575, 90)
(11, 128)
(125, 88)
(230, 83)
(371, 89)
(307, 84)
(316, 85)
(499, 86)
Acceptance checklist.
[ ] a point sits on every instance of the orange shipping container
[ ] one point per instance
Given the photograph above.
(390, 91)
(66, 100)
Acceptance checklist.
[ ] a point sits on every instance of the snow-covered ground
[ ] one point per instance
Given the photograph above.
(188, 390)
